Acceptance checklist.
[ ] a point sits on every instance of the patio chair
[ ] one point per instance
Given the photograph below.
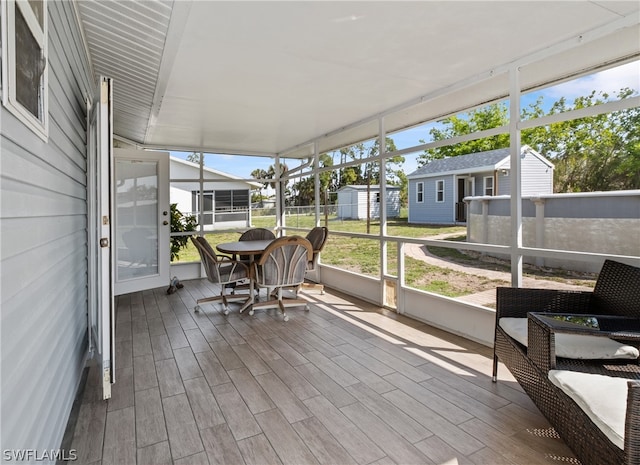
(255, 234)
(283, 264)
(318, 238)
(222, 271)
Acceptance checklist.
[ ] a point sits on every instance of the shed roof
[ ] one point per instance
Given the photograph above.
(472, 163)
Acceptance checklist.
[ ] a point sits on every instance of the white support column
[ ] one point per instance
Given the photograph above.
(201, 194)
(516, 178)
(383, 206)
(539, 203)
(316, 178)
(401, 282)
(485, 221)
(280, 204)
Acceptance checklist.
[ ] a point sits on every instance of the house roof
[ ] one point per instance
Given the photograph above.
(273, 77)
(473, 163)
(196, 166)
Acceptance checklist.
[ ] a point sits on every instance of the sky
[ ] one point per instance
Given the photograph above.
(610, 81)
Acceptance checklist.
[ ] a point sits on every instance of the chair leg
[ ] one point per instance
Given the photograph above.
(222, 297)
(495, 368)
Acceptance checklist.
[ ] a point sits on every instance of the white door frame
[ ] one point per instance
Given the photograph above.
(101, 317)
(161, 278)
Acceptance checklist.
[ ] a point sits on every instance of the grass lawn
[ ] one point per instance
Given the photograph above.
(362, 255)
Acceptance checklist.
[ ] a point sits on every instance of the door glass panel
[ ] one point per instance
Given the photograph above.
(136, 219)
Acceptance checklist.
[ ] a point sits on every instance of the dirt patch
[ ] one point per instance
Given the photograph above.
(457, 283)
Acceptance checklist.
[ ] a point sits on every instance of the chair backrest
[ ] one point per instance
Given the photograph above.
(257, 234)
(318, 238)
(617, 290)
(284, 262)
(208, 257)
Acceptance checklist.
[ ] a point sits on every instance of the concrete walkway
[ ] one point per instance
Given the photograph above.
(486, 298)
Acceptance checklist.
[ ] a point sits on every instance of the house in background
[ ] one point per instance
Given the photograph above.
(352, 202)
(226, 198)
(437, 189)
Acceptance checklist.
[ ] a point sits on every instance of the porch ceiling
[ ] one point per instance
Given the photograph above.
(265, 77)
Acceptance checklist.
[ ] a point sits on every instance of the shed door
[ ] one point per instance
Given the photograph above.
(461, 213)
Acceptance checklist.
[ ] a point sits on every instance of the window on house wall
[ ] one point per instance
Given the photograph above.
(24, 62)
(488, 185)
(420, 192)
(377, 200)
(232, 200)
(226, 205)
(231, 205)
(440, 190)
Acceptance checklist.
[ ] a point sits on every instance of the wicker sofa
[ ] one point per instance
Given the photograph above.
(617, 292)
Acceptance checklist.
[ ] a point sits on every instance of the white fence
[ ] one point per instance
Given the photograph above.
(597, 222)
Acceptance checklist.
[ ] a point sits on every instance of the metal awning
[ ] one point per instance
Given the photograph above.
(269, 77)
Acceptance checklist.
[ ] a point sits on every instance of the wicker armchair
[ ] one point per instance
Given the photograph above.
(617, 292)
(220, 270)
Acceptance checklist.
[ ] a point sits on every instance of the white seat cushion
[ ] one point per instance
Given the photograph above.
(602, 398)
(574, 346)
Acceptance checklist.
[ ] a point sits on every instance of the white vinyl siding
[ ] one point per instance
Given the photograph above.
(537, 176)
(43, 225)
(440, 191)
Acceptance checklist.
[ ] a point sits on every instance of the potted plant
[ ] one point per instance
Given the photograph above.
(180, 223)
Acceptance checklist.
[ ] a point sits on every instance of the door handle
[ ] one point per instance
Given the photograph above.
(104, 242)
(165, 222)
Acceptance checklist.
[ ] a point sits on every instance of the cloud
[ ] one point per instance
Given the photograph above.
(610, 81)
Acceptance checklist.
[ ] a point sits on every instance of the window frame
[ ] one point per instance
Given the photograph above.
(420, 192)
(39, 125)
(440, 191)
(233, 202)
(485, 188)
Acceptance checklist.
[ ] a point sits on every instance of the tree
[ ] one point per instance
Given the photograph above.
(304, 190)
(259, 173)
(368, 171)
(271, 174)
(597, 153)
(488, 117)
(194, 157)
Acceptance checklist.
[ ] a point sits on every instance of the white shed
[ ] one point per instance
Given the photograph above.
(352, 202)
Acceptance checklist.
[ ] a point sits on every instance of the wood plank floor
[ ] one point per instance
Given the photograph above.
(344, 383)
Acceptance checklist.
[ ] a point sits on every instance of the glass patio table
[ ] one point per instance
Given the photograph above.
(611, 326)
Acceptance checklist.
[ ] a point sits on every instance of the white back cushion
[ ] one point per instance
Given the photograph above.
(574, 346)
(602, 398)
